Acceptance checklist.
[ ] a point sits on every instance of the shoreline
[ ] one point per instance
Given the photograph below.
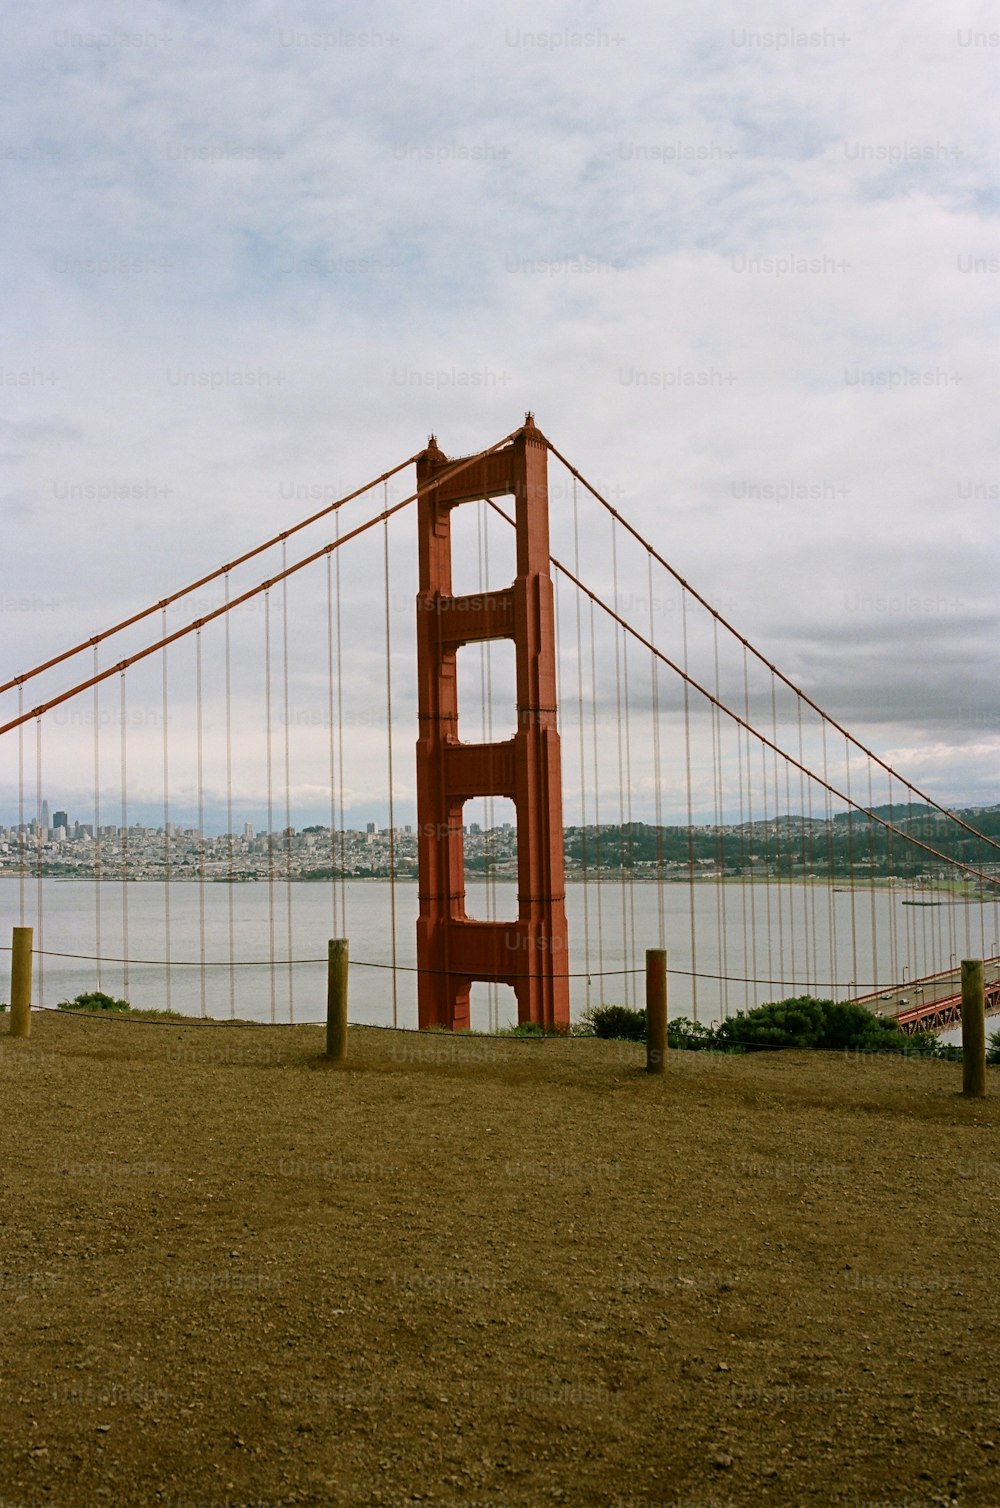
(614, 877)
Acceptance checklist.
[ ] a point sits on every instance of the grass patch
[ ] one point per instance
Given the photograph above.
(96, 1002)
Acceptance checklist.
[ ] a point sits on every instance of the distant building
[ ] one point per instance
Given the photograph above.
(61, 819)
(372, 828)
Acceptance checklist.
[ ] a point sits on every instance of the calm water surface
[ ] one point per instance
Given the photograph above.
(789, 938)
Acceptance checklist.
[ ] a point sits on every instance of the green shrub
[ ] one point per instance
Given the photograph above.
(691, 1036)
(993, 1048)
(618, 1022)
(94, 1000)
(802, 1022)
(927, 1045)
(824, 1025)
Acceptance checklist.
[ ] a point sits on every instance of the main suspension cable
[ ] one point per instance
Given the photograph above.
(223, 570)
(797, 690)
(261, 588)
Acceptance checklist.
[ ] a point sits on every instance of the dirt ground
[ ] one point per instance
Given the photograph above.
(483, 1273)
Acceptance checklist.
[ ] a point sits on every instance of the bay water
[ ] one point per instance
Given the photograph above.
(265, 944)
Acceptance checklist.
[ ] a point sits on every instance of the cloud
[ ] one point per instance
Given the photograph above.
(741, 272)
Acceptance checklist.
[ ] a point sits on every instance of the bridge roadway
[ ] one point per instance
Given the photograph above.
(933, 1003)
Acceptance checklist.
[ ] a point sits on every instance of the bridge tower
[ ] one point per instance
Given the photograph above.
(453, 950)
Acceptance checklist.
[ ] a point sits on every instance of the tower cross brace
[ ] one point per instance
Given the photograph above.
(454, 950)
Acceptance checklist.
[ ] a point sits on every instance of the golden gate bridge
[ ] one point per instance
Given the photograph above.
(548, 661)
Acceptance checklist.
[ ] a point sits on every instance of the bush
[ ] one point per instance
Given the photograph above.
(692, 1036)
(95, 1000)
(993, 1048)
(618, 1022)
(803, 1022)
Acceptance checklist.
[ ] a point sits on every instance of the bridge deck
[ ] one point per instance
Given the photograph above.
(933, 1003)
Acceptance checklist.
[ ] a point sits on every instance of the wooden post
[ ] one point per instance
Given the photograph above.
(336, 1000)
(20, 983)
(656, 1010)
(973, 1029)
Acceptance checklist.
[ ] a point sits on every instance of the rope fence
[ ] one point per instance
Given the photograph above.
(863, 988)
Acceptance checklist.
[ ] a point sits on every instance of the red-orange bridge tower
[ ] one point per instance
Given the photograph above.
(453, 951)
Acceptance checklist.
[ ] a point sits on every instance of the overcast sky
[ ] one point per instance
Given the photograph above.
(744, 271)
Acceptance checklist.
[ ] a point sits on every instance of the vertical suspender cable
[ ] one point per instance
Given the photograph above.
(808, 862)
(270, 802)
(41, 836)
(940, 938)
(555, 599)
(97, 822)
(792, 855)
(925, 965)
(967, 914)
(721, 927)
(871, 881)
(831, 848)
(782, 974)
(951, 913)
(766, 831)
(890, 872)
(332, 736)
(618, 634)
(200, 741)
(750, 881)
(850, 860)
(911, 941)
(661, 921)
(597, 791)
(580, 729)
(631, 956)
(288, 782)
(340, 744)
(230, 835)
(388, 723)
(690, 814)
(953, 896)
(22, 837)
(746, 877)
(165, 704)
(986, 935)
(123, 845)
